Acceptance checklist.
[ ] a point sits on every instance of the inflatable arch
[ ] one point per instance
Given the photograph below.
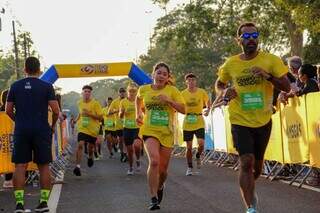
(96, 70)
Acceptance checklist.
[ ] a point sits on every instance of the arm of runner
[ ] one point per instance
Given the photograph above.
(55, 112)
(282, 83)
(139, 113)
(122, 110)
(180, 107)
(9, 109)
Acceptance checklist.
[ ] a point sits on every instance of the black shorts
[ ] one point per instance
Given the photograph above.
(188, 135)
(249, 140)
(86, 138)
(119, 132)
(112, 133)
(129, 135)
(38, 145)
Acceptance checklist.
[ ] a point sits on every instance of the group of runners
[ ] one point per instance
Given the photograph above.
(143, 117)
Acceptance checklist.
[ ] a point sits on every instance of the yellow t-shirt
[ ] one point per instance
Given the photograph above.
(158, 118)
(114, 106)
(108, 120)
(129, 119)
(253, 105)
(89, 125)
(195, 102)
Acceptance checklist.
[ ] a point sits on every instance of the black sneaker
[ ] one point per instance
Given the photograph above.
(115, 148)
(154, 205)
(121, 156)
(160, 194)
(90, 162)
(96, 154)
(19, 208)
(42, 207)
(77, 171)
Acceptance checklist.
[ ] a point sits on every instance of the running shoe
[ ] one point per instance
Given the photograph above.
(7, 184)
(42, 207)
(90, 162)
(154, 205)
(130, 171)
(77, 171)
(251, 210)
(189, 172)
(19, 208)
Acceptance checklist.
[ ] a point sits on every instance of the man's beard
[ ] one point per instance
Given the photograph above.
(250, 49)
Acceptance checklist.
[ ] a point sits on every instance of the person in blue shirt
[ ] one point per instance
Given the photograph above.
(27, 105)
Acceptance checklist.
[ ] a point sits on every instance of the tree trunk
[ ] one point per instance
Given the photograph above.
(295, 35)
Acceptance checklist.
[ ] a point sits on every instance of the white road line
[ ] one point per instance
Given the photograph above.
(54, 198)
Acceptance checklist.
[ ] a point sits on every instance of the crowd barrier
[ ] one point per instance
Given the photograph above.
(294, 140)
(61, 148)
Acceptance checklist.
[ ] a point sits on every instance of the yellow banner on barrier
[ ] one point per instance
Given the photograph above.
(274, 149)
(230, 146)
(294, 131)
(313, 120)
(6, 145)
(93, 70)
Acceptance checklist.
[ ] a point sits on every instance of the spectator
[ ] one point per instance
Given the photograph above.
(31, 97)
(7, 177)
(307, 75)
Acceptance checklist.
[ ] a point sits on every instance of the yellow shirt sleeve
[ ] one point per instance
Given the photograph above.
(278, 68)
(223, 75)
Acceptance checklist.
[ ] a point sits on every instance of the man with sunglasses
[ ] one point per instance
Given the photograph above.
(252, 74)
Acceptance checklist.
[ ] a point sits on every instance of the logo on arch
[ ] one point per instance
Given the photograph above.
(94, 68)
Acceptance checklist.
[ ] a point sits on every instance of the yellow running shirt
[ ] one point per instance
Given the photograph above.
(158, 118)
(108, 120)
(253, 105)
(129, 107)
(195, 102)
(114, 106)
(86, 124)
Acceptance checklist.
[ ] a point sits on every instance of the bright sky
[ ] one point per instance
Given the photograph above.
(83, 31)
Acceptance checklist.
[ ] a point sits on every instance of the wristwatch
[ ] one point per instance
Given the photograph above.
(269, 78)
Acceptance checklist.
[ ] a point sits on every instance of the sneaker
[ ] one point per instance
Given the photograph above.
(189, 172)
(90, 162)
(121, 157)
(251, 210)
(154, 205)
(255, 201)
(77, 171)
(19, 208)
(8, 184)
(160, 194)
(115, 148)
(42, 207)
(130, 171)
(198, 160)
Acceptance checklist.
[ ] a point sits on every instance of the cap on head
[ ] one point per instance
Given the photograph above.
(190, 75)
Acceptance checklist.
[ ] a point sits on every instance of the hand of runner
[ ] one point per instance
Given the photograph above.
(230, 93)
(259, 72)
(164, 99)
(206, 111)
(139, 120)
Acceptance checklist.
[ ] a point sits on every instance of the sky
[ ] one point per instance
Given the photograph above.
(83, 31)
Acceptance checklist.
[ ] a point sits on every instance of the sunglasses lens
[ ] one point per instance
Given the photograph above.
(245, 35)
(255, 35)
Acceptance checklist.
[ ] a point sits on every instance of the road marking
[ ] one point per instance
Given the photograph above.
(54, 197)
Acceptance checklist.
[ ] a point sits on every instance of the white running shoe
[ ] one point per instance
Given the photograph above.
(7, 184)
(130, 171)
(189, 172)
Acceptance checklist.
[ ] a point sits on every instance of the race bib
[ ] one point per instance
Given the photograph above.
(159, 118)
(192, 119)
(85, 121)
(252, 101)
(130, 123)
(109, 123)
